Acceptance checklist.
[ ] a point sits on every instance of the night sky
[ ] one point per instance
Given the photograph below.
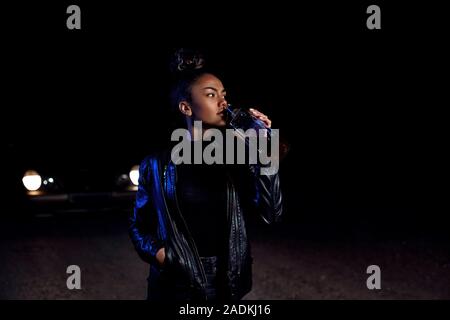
(352, 103)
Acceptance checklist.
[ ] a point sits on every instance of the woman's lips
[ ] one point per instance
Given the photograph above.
(224, 115)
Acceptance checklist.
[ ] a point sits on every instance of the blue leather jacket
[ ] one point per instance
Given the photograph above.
(157, 222)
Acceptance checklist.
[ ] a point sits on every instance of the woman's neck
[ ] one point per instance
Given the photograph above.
(197, 131)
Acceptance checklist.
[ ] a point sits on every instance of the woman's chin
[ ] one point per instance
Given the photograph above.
(222, 124)
(218, 124)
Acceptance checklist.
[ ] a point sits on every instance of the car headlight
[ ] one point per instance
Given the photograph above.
(32, 180)
(134, 175)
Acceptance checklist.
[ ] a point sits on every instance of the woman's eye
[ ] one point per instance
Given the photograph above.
(210, 95)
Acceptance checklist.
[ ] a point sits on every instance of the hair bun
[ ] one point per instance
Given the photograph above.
(186, 60)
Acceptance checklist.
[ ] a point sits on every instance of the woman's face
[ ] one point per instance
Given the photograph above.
(208, 101)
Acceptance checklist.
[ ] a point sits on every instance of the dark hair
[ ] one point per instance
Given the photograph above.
(186, 66)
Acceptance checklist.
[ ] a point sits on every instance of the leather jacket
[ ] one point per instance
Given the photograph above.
(157, 222)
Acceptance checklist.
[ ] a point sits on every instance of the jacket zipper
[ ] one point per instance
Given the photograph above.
(231, 217)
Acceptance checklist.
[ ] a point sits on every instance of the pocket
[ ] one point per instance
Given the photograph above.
(168, 256)
(164, 263)
(169, 263)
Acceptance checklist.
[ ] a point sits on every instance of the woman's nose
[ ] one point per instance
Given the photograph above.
(223, 103)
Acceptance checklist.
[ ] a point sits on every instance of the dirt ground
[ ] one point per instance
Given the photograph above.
(290, 262)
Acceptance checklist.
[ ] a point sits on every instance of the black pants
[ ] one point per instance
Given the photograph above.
(162, 288)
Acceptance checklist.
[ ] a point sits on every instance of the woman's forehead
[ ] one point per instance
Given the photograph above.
(209, 80)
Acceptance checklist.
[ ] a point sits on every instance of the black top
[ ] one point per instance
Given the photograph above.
(202, 194)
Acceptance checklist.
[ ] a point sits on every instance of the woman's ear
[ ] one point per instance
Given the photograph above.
(185, 108)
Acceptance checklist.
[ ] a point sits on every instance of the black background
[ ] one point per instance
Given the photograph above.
(360, 108)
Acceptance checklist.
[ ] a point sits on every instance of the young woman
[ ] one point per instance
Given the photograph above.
(189, 219)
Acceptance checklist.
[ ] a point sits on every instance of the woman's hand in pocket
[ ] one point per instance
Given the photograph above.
(161, 256)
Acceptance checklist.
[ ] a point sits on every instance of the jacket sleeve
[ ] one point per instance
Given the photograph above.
(143, 220)
(267, 195)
